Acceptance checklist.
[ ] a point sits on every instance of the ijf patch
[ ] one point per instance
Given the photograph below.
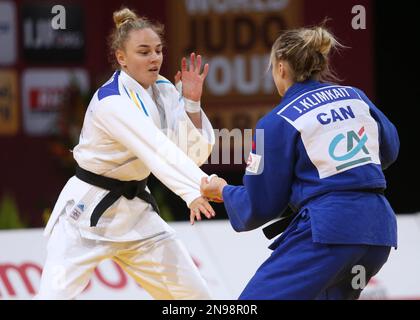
(77, 211)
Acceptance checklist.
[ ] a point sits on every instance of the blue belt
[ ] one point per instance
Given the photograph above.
(277, 227)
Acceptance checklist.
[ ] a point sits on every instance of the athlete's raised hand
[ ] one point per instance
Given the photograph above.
(192, 78)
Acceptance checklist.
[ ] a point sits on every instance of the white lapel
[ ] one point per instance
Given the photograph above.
(169, 100)
(161, 104)
(140, 97)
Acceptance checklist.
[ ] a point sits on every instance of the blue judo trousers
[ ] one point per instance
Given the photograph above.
(302, 269)
(321, 151)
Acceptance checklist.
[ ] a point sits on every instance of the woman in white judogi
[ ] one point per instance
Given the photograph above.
(136, 124)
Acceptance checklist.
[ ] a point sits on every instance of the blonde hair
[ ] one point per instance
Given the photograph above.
(126, 20)
(307, 51)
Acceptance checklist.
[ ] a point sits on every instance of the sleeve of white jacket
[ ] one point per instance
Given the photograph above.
(196, 143)
(130, 127)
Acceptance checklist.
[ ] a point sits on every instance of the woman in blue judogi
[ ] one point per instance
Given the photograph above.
(324, 149)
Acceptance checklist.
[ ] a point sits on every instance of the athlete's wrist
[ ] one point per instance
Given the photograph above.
(222, 185)
(192, 106)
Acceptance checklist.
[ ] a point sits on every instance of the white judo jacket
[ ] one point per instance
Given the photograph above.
(125, 137)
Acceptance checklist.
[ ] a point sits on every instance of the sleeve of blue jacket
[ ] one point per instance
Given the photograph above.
(389, 142)
(265, 195)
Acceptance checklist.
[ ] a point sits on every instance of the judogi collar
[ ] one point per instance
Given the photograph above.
(151, 103)
(130, 83)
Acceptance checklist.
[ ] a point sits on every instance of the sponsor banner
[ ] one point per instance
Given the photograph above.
(53, 33)
(8, 33)
(235, 38)
(9, 116)
(43, 93)
(226, 261)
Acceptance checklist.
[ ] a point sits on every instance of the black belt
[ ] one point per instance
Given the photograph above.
(117, 189)
(277, 227)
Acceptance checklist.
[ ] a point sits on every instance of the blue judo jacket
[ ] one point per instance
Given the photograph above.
(318, 150)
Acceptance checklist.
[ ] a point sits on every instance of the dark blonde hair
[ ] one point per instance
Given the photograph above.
(125, 21)
(307, 51)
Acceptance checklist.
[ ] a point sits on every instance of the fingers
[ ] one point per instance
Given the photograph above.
(205, 71)
(201, 206)
(196, 214)
(183, 64)
(209, 209)
(193, 215)
(177, 77)
(192, 62)
(205, 211)
(195, 65)
(198, 65)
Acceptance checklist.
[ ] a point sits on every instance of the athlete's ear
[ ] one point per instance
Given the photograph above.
(282, 69)
(121, 58)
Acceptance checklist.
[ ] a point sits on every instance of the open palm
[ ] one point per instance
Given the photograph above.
(192, 79)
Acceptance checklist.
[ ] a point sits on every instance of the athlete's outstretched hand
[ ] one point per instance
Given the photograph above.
(199, 206)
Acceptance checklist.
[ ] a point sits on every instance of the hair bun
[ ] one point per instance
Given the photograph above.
(320, 40)
(122, 16)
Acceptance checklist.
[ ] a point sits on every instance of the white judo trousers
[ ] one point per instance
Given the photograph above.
(123, 138)
(161, 265)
